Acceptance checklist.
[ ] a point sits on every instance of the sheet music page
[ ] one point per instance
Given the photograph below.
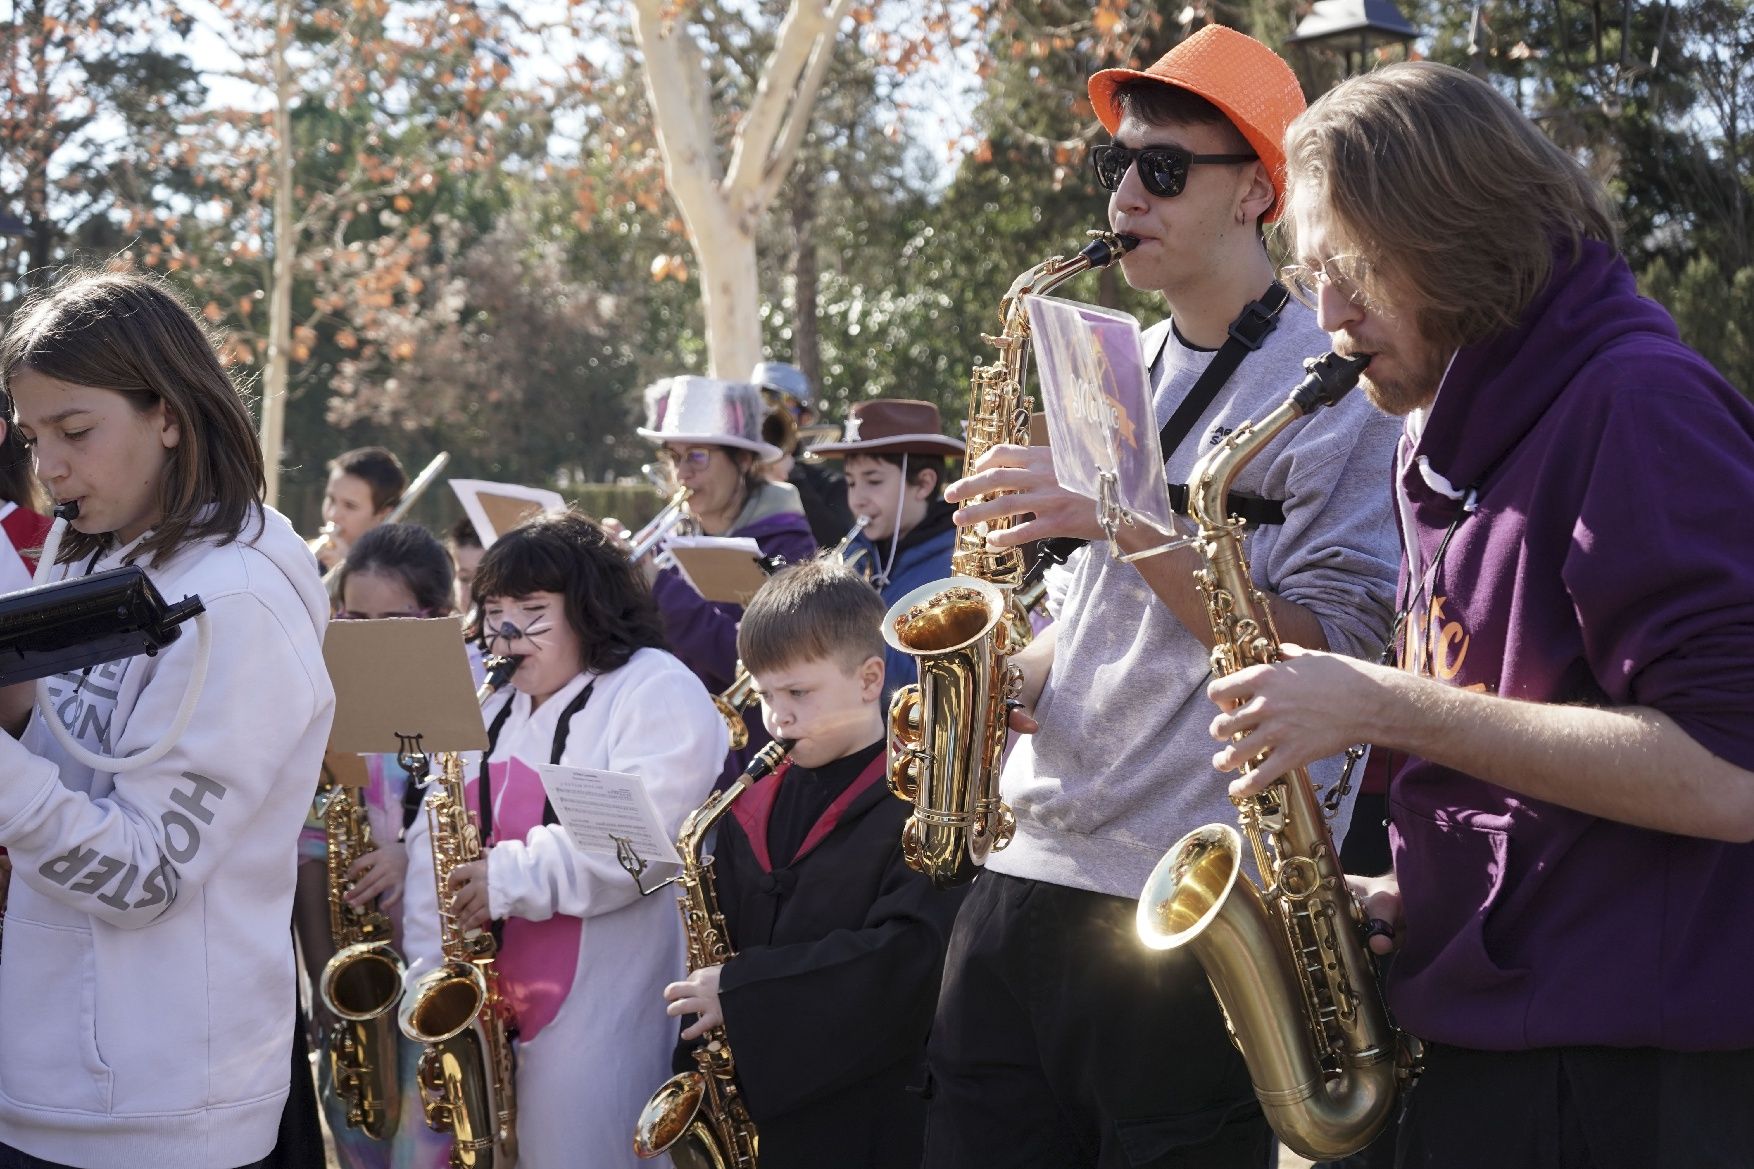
(607, 811)
(1098, 401)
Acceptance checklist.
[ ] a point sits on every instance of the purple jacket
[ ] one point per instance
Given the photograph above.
(703, 633)
(1608, 564)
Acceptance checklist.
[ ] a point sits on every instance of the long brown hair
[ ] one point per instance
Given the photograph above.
(1451, 198)
(130, 334)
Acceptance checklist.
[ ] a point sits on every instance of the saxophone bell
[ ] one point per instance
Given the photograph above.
(947, 733)
(959, 634)
(1287, 962)
(698, 1116)
(362, 982)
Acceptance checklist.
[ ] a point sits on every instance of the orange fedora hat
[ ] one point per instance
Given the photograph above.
(1248, 81)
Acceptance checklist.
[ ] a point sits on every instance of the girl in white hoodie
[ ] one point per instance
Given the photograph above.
(581, 952)
(146, 981)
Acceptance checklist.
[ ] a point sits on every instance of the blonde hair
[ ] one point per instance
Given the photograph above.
(1449, 196)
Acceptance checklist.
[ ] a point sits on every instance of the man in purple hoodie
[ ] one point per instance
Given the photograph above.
(1573, 896)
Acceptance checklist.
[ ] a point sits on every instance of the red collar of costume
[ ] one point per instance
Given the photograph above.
(753, 808)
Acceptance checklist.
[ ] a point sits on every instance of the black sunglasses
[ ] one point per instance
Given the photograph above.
(1162, 169)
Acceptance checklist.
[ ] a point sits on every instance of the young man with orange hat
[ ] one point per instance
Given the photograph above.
(1060, 1040)
(896, 459)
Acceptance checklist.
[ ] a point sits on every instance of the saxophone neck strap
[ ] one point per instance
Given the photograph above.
(1247, 334)
(483, 788)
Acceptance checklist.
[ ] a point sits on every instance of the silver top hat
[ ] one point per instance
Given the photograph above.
(708, 411)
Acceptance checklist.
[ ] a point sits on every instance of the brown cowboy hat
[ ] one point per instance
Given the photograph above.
(891, 426)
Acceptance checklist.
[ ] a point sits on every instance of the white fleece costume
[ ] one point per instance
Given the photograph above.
(584, 957)
(146, 985)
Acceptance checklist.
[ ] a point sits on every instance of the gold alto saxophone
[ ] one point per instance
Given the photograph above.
(946, 733)
(362, 982)
(699, 1117)
(1289, 963)
(456, 1010)
(735, 698)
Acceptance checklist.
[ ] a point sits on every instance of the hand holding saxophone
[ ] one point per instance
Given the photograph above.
(1380, 899)
(1288, 714)
(697, 995)
(468, 886)
(1023, 478)
(378, 875)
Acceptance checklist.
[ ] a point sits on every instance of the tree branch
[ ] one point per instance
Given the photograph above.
(780, 156)
(789, 82)
(675, 88)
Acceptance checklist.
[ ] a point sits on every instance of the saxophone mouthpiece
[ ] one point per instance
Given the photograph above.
(499, 672)
(768, 759)
(1327, 379)
(1105, 247)
(68, 511)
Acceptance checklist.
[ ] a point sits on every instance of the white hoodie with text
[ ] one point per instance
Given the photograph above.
(146, 980)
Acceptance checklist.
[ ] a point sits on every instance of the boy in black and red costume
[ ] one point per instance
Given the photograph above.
(839, 945)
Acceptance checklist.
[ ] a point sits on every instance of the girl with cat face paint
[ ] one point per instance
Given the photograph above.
(583, 957)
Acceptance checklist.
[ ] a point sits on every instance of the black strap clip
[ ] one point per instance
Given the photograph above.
(1257, 320)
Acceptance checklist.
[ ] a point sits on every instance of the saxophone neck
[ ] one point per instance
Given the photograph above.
(692, 838)
(1104, 248)
(1209, 485)
(1326, 380)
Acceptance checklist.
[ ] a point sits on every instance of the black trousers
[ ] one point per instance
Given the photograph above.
(1062, 1042)
(1580, 1108)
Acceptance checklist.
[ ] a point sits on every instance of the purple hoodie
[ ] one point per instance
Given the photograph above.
(1608, 564)
(703, 633)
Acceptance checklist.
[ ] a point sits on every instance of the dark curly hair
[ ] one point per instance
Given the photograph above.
(607, 602)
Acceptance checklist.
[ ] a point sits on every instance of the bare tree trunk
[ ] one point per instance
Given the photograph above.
(806, 338)
(730, 292)
(275, 377)
(723, 208)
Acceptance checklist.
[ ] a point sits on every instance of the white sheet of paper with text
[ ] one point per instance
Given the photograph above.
(606, 810)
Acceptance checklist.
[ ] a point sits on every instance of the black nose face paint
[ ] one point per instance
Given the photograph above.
(507, 632)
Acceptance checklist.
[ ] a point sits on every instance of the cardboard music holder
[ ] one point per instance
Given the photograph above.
(725, 570)
(344, 770)
(496, 508)
(401, 677)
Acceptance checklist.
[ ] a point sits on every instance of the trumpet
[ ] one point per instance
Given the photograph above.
(324, 541)
(673, 519)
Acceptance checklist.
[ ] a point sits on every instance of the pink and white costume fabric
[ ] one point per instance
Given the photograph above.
(584, 957)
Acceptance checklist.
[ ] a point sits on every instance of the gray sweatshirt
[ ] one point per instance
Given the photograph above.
(1122, 765)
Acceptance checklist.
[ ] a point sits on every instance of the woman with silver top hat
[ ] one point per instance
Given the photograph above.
(896, 461)
(709, 436)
